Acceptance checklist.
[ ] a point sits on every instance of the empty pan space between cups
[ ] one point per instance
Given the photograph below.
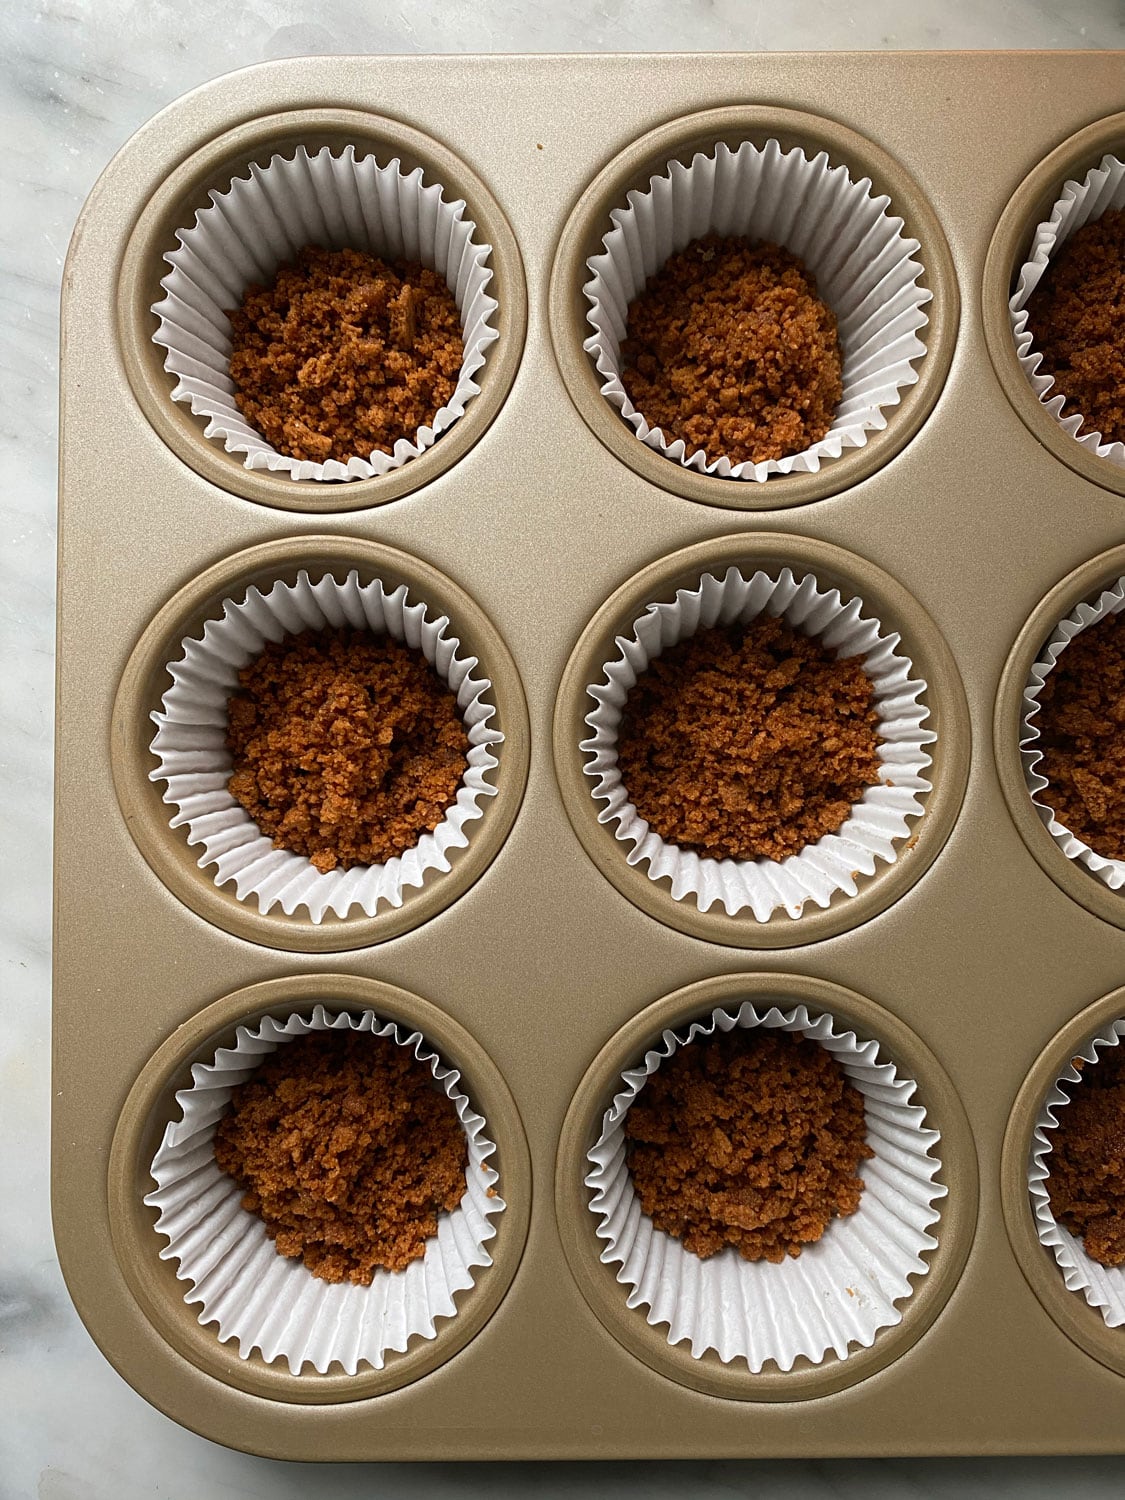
(845, 877)
(201, 1266)
(252, 198)
(171, 773)
(768, 173)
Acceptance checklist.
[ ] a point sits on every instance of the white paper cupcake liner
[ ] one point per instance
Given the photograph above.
(1110, 872)
(1079, 202)
(190, 744)
(267, 217)
(842, 1289)
(269, 1302)
(878, 822)
(855, 248)
(1102, 1286)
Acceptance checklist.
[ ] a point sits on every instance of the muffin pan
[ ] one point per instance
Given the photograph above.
(541, 963)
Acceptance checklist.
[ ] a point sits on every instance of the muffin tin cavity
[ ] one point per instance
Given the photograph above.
(1102, 1286)
(893, 831)
(252, 199)
(1085, 1299)
(172, 781)
(851, 1301)
(203, 1268)
(1077, 182)
(1086, 595)
(838, 202)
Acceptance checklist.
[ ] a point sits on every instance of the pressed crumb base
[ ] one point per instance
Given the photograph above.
(749, 742)
(729, 348)
(751, 1138)
(346, 746)
(346, 1151)
(1086, 1185)
(342, 354)
(1081, 722)
(1077, 320)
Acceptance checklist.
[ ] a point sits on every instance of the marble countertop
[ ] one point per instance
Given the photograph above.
(79, 76)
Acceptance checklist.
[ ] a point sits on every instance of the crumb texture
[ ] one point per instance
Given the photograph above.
(749, 742)
(729, 348)
(1082, 724)
(342, 354)
(1077, 320)
(347, 1151)
(346, 746)
(751, 1138)
(1087, 1160)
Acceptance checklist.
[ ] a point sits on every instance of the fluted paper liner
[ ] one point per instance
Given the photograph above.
(190, 744)
(877, 823)
(842, 1289)
(1102, 1286)
(853, 245)
(268, 1302)
(335, 201)
(1110, 872)
(1079, 202)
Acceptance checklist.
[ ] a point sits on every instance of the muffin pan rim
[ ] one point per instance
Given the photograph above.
(226, 154)
(681, 137)
(148, 817)
(950, 754)
(1082, 1324)
(1070, 876)
(954, 1229)
(1028, 206)
(151, 1102)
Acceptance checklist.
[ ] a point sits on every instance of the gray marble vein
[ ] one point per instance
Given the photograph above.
(77, 77)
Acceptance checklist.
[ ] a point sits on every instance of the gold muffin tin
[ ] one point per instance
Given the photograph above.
(541, 964)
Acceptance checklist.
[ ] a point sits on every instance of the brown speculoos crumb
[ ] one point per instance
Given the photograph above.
(729, 348)
(1082, 724)
(1077, 320)
(346, 746)
(342, 354)
(750, 1138)
(346, 1151)
(1086, 1185)
(749, 742)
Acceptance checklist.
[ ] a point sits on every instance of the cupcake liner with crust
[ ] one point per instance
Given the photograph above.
(1102, 1286)
(195, 765)
(1110, 872)
(268, 1302)
(878, 823)
(1079, 203)
(841, 1290)
(335, 201)
(863, 263)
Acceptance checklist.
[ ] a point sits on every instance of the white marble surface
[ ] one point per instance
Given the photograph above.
(77, 77)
